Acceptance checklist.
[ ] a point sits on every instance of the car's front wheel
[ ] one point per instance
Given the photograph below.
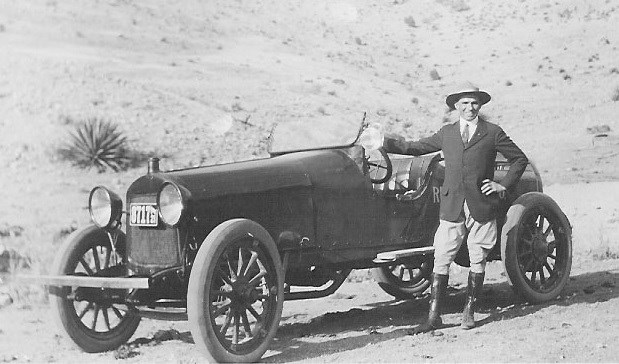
(88, 315)
(537, 247)
(404, 281)
(236, 292)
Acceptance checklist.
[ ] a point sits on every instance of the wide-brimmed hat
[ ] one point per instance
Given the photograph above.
(467, 88)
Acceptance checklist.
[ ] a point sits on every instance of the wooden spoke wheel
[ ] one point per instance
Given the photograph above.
(236, 292)
(90, 316)
(538, 248)
(405, 281)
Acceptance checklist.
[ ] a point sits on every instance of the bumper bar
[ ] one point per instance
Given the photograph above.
(81, 281)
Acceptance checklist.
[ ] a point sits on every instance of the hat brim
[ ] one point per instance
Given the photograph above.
(483, 97)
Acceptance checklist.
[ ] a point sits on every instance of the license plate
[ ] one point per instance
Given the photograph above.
(143, 214)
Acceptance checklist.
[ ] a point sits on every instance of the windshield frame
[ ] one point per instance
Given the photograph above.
(362, 126)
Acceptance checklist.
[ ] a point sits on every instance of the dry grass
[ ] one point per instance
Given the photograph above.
(25, 261)
(605, 253)
(605, 249)
(22, 254)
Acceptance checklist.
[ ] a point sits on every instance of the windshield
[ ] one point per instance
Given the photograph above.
(315, 133)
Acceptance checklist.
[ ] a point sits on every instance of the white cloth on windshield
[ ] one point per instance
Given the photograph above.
(372, 137)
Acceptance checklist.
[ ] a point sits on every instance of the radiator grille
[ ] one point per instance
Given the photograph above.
(151, 247)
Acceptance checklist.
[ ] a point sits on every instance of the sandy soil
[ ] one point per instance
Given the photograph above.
(360, 323)
(203, 82)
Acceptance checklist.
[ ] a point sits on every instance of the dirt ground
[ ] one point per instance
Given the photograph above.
(202, 82)
(360, 323)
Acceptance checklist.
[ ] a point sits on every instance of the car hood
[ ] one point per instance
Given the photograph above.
(246, 177)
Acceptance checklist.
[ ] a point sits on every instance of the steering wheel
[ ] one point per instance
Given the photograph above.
(379, 165)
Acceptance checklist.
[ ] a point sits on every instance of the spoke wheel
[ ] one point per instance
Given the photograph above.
(236, 292)
(538, 249)
(88, 315)
(404, 281)
(379, 165)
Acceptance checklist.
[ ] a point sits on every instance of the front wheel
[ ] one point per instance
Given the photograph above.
(236, 292)
(536, 246)
(89, 317)
(404, 281)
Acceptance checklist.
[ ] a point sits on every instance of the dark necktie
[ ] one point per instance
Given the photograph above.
(465, 134)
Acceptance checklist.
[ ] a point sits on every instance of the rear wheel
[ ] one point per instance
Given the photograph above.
(405, 281)
(236, 292)
(537, 248)
(89, 317)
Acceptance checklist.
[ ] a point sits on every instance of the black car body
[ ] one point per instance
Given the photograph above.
(225, 245)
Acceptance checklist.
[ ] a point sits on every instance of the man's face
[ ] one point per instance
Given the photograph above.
(468, 106)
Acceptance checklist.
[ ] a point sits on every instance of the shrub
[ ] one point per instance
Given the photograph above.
(460, 5)
(457, 5)
(97, 143)
(615, 96)
(410, 21)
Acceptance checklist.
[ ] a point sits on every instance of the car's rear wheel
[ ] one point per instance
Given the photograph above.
(405, 281)
(236, 292)
(537, 247)
(98, 324)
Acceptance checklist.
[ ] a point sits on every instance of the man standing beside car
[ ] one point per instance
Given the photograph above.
(469, 194)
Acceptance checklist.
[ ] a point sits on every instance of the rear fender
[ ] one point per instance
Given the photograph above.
(511, 220)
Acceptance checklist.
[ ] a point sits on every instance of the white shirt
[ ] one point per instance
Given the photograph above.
(472, 126)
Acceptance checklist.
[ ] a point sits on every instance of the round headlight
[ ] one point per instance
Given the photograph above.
(171, 203)
(105, 207)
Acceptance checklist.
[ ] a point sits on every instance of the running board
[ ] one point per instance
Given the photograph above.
(164, 315)
(392, 256)
(87, 281)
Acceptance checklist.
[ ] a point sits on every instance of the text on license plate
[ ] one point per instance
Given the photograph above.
(143, 214)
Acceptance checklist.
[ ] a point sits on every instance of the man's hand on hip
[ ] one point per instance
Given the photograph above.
(489, 187)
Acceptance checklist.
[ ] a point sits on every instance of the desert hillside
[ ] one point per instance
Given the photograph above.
(201, 82)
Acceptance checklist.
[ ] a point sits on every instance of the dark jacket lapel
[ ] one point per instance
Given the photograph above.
(455, 131)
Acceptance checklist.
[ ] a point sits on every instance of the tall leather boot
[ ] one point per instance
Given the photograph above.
(476, 281)
(439, 286)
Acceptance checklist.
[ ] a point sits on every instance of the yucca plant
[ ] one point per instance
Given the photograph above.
(97, 143)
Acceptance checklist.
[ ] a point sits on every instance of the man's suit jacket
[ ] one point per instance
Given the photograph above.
(467, 166)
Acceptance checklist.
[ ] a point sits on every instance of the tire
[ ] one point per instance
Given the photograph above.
(536, 246)
(236, 292)
(404, 281)
(94, 327)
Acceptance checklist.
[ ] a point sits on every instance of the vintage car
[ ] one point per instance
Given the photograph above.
(224, 246)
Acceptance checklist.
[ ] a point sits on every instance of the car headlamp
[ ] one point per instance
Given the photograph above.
(172, 203)
(105, 207)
